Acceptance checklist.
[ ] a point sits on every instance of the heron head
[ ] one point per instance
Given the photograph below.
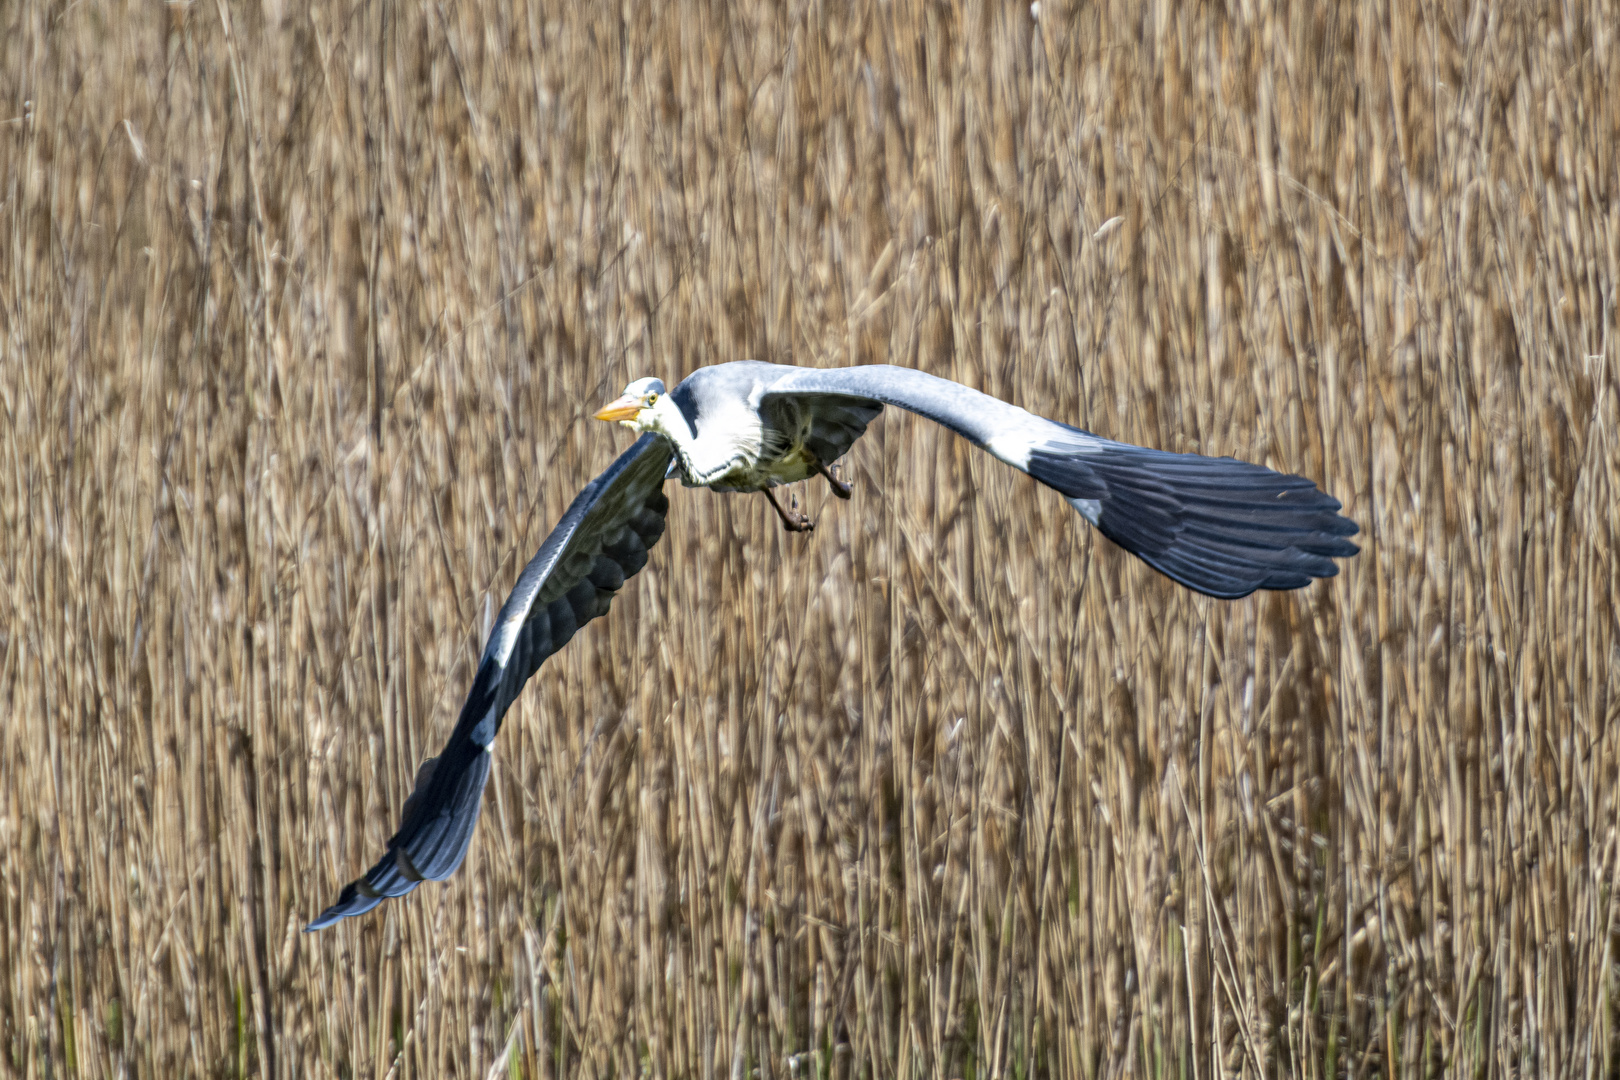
(635, 407)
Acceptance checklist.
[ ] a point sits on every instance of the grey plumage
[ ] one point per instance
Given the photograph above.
(1220, 526)
(602, 540)
(1217, 525)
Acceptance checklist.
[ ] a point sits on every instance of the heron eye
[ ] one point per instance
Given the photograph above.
(651, 400)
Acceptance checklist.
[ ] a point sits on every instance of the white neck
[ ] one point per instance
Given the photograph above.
(665, 418)
(732, 437)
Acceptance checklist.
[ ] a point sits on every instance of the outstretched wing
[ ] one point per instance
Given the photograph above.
(1218, 525)
(602, 540)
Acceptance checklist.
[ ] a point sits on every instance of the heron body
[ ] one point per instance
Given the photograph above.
(1219, 526)
(724, 438)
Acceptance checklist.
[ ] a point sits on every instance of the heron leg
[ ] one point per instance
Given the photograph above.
(840, 488)
(792, 520)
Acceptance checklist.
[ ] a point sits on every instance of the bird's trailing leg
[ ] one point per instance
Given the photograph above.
(840, 488)
(792, 520)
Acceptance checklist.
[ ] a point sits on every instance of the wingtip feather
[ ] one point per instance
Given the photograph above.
(1219, 526)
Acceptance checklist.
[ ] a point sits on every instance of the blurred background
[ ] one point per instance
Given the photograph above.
(304, 310)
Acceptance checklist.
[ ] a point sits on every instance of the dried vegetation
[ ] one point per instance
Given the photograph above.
(303, 312)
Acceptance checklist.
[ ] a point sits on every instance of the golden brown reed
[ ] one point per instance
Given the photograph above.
(304, 311)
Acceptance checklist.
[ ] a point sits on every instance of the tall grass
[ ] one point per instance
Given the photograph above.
(304, 311)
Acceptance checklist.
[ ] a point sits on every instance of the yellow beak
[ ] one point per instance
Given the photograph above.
(625, 408)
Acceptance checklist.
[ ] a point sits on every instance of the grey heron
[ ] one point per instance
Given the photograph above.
(1216, 525)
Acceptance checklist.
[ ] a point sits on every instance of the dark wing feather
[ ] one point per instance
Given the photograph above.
(1218, 525)
(836, 421)
(603, 539)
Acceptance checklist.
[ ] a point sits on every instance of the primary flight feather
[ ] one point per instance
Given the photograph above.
(1216, 525)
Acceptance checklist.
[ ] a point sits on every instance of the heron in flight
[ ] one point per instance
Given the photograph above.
(1216, 525)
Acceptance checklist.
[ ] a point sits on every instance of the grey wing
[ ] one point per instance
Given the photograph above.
(603, 539)
(1217, 525)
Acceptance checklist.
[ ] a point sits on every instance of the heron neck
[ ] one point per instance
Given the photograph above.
(731, 437)
(668, 420)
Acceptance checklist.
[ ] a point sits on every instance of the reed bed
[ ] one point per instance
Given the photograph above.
(303, 313)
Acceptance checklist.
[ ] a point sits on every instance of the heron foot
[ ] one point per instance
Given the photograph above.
(840, 488)
(792, 520)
